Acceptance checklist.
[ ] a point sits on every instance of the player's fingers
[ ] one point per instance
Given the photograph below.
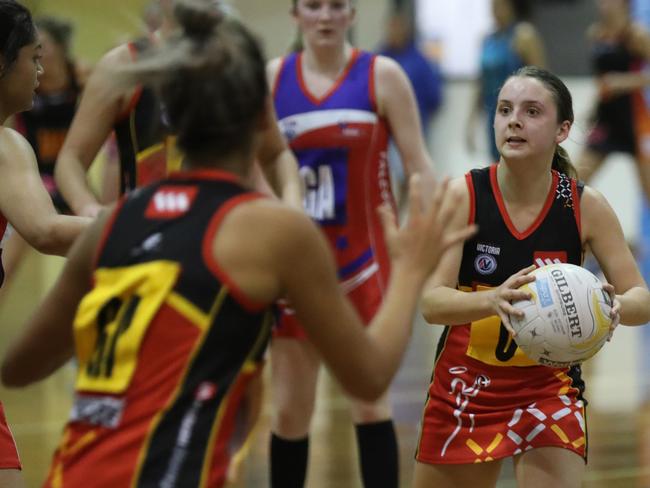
(609, 288)
(525, 270)
(615, 313)
(415, 197)
(505, 320)
(516, 295)
(388, 219)
(439, 213)
(521, 280)
(507, 308)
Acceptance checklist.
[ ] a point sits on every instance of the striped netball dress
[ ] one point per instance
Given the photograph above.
(340, 142)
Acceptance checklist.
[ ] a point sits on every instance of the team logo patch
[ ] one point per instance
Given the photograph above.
(289, 129)
(485, 264)
(171, 201)
(104, 411)
(544, 292)
(542, 258)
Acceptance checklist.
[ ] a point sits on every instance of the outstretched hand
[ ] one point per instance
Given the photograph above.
(420, 242)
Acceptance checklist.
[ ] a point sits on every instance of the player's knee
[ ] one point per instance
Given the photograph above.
(367, 412)
(291, 423)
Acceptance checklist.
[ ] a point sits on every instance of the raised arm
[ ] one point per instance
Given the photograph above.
(603, 234)
(279, 164)
(26, 204)
(272, 251)
(443, 303)
(276, 159)
(101, 104)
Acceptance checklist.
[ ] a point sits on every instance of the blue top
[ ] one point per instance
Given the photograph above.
(351, 90)
(425, 77)
(498, 61)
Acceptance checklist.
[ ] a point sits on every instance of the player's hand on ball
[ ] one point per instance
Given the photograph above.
(508, 292)
(615, 313)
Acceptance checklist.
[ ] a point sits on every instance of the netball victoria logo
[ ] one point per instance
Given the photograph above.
(486, 262)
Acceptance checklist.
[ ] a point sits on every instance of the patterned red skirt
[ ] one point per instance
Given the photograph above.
(478, 412)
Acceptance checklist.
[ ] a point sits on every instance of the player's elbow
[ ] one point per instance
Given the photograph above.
(46, 241)
(10, 375)
(51, 234)
(429, 309)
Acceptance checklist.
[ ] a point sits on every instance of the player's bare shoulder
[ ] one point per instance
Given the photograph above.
(267, 226)
(103, 86)
(14, 149)
(387, 70)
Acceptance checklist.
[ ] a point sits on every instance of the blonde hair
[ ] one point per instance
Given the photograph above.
(211, 81)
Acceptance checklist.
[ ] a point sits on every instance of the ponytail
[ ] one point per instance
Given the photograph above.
(562, 162)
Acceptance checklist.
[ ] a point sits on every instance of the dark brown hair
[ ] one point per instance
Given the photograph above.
(17, 30)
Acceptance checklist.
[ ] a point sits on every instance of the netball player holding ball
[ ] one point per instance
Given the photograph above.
(487, 400)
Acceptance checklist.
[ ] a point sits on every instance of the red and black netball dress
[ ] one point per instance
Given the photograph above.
(166, 345)
(487, 400)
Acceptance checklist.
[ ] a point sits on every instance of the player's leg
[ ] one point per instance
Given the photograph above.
(479, 475)
(375, 432)
(377, 442)
(549, 466)
(294, 374)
